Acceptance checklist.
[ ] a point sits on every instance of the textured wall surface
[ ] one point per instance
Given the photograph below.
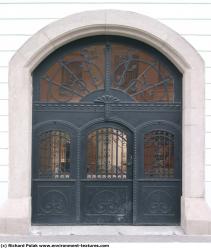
(19, 20)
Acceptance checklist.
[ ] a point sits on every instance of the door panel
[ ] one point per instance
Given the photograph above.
(158, 202)
(106, 202)
(158, 174)
(106, 184)
(54, 174)
(54, 202)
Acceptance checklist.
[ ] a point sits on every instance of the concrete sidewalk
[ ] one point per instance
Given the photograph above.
(103, 239)
(105, 234)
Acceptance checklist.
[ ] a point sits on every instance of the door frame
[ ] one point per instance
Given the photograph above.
(16, 212)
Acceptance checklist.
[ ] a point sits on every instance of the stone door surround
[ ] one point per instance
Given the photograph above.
(15, 214)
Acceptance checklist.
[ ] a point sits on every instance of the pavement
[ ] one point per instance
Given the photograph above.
(103, 239)
(104, 234)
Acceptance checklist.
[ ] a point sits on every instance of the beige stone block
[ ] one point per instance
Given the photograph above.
(15, 216)
(193, 86)
(71, 27)
(20, 125)
(196, 216)
(2, 225)
(193, 161)
(197, 227)
(38, 45)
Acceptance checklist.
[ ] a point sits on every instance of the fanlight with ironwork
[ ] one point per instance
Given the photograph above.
(134, 71)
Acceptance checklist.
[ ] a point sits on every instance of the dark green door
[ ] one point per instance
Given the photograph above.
(106, 135)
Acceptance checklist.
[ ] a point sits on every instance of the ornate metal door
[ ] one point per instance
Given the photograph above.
(106, 135)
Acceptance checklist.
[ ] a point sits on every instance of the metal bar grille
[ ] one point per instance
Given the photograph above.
(109, 147)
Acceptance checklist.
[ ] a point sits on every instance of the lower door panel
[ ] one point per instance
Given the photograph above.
(158, 202)
(54, 202)
(106, 202)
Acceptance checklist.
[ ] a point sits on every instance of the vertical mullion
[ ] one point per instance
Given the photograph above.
(97, 157)
(167, 154)
(159, 141)
(78, 182)
(49, 152)
(135, 183)
(107, 67)
(117, 144)
(102, 151)
(59, 166)
(64, 153)
(53, 151)
(68, 156)
(106, 152)
(112, 153)
(169, 151)
(122, 155)
(164, 154)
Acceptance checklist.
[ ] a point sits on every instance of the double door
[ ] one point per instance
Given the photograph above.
(126, 170)
(106, 135)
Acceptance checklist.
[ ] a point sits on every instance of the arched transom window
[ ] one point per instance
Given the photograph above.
(134, 70)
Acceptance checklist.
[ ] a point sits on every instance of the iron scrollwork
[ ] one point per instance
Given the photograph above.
(137, 73)
(107, 155)
(159, 154)
(107, 100)
(73, 77)
(158, 203)
(144, 80)
(54, 203)
(54, 154)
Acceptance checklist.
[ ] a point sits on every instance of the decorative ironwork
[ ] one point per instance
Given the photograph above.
(54, 203)
(83, 85)
(54, 154)
(106, 66)
(98, 107)
(74, 76)
(107, 99)
(105, 202)
(107, 154)
(159, 154)
(158, 203)
(141, 75)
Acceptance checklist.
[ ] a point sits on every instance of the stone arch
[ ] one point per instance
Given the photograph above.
(15, 215)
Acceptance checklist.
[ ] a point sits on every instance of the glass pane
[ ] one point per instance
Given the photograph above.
(107, 154)
(54, 154)
(141, 75)
(74, 76)
(159, 154)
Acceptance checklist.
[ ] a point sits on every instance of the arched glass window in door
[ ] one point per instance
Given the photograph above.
(54, 154)
(107, 155)
(159, 154)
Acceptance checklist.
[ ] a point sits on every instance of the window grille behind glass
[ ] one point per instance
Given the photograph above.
(54, 154)
(159, 154)
(107, 154)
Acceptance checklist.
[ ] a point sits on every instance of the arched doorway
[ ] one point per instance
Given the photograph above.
(15, 214)
(106, 135)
